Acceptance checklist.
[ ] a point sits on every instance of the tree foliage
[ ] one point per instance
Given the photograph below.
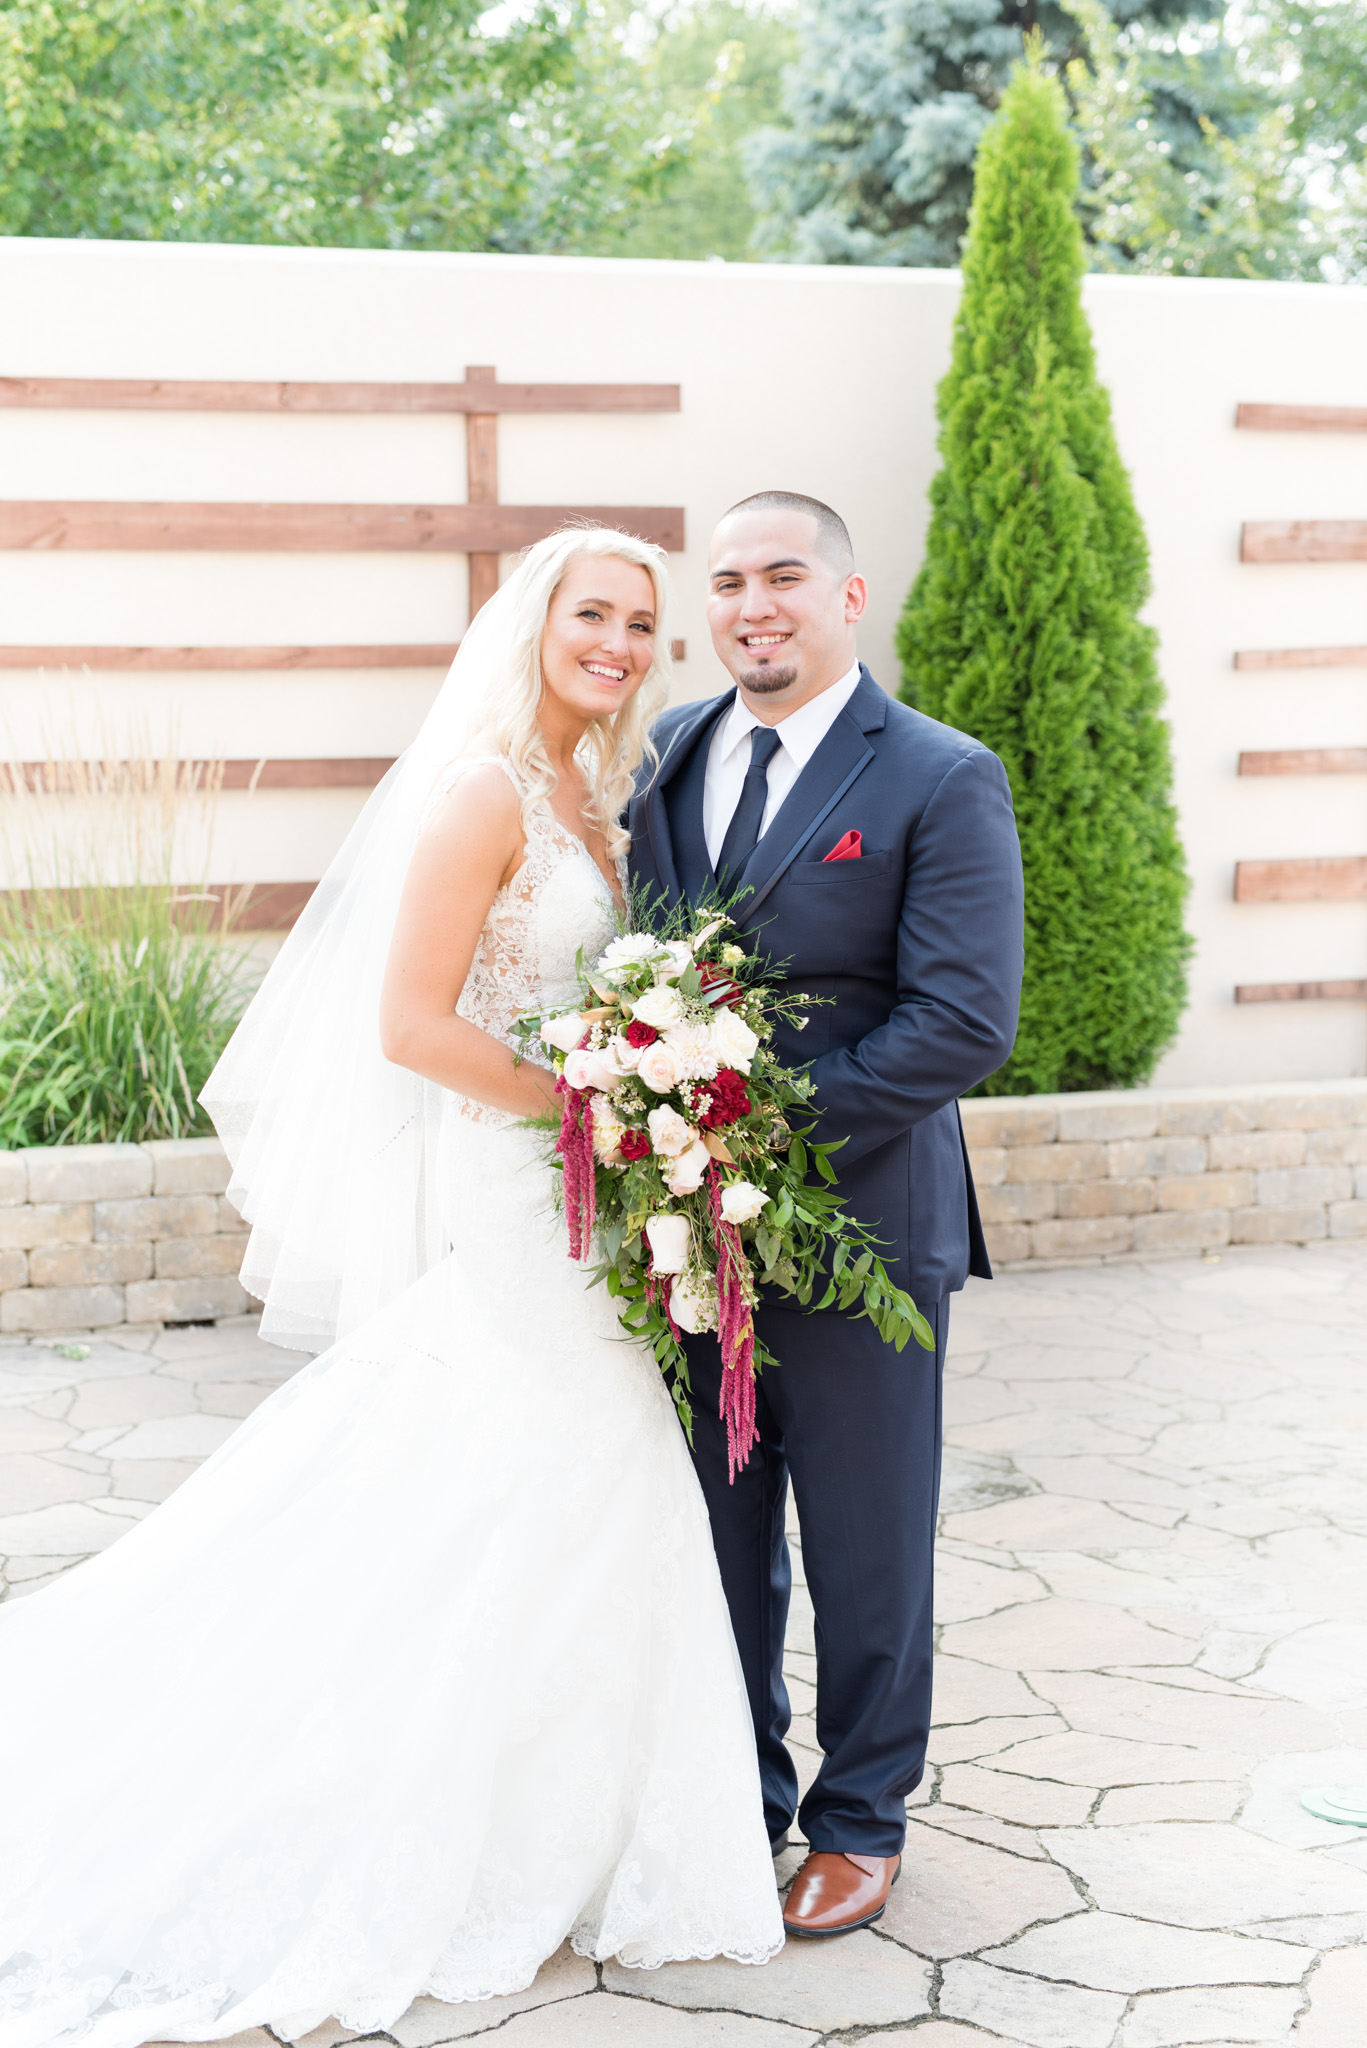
(368, 123)
(1023, 626)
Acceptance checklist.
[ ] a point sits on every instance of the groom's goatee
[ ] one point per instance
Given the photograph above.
(763, 682)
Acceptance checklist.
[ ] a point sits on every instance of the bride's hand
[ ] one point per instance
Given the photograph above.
(470, 846)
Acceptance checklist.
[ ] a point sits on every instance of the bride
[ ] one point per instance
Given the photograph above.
(429, 1667)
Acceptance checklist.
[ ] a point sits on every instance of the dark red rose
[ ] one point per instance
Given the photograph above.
(634, 1144)
(641, 1034)
(730, 1100)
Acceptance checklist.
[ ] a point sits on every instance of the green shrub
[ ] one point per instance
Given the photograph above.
(1022, 627)
(115, 1001)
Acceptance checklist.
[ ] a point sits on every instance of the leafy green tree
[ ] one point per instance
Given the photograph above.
(717, 69)
(1023, 628)
(370, 123)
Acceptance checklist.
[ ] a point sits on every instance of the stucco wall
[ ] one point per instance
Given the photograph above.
(822, 380)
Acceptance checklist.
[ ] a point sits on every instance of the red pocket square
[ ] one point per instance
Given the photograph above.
(851, 847)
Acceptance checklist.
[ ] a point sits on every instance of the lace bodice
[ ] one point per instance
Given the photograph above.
(524, 962)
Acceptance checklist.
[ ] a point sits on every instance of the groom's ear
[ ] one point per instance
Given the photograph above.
(856, 598)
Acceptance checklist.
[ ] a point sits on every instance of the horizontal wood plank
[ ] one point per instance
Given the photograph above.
(1304, 540)
(1301, 657)
(1304, 419)
(1301, 992)
(244, 906)
(1335, 879)
(333, 772)
(1306, 761)
(202, 394)
(401, 654)
(323, 529)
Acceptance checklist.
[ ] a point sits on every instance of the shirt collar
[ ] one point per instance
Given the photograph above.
(802, 731)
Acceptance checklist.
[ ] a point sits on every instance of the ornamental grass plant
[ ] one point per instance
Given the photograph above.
(118, 987)
(1023, 625)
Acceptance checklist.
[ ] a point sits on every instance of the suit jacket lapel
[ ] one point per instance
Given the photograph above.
(688, 736)
(841, 758)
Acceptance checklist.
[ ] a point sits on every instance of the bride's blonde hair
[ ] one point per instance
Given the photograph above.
(613, 748)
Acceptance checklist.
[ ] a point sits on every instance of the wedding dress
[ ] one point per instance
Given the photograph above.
(427, 1669)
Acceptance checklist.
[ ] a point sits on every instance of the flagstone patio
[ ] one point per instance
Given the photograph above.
(1153, 1636)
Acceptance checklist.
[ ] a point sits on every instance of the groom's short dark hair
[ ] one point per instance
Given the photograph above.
(832, 534)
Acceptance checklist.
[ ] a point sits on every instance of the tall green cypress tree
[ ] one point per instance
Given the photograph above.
(1022, 627)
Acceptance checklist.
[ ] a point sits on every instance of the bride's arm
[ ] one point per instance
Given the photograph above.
(469, 847)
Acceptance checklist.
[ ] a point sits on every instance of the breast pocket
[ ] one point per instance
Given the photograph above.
(839, 874)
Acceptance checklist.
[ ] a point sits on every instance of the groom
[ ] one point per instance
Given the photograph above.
(881, 855)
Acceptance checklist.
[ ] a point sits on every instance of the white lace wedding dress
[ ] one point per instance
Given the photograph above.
(427, 1669)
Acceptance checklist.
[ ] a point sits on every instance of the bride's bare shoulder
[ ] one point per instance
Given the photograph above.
(474, 799)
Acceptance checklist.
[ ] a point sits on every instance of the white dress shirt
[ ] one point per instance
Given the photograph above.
(800, 734)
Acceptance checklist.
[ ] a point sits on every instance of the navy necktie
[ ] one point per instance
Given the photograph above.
(742, 834)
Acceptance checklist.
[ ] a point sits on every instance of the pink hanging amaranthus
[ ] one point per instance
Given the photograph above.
(660, 1288)
(736, 1335)
(575, 1146)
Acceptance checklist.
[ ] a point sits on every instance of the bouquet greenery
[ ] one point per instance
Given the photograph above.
(686, 1158)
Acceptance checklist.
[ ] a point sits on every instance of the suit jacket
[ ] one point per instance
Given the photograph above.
(918, 945)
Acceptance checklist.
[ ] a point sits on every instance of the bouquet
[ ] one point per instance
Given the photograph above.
(686, 1159)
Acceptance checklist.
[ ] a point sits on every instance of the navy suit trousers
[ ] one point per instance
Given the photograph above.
(857, 1424)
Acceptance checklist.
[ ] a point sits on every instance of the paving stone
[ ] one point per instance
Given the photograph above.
(965, 1588)
(943, 2034)
(29, 1481)
(1108, 1705)
(1063, 1635)
(861, 1982)
(1028, 1800)
(430, 2020)
(606, 2020)
(150, 1479)
(141, 1397)
(68, 1530)
(1325, 1666)
(1168, 2019)
(1077, 1758)
(1107, 1952)
(1203, 1875)
(1025, 2009)
(987, 1738)
(979, 1827)
(1044, 1522)
(23, 1430)
(179, 1436)
(1338, 2000)
(954, 1896)
(1168, 1802)
(968, 1691)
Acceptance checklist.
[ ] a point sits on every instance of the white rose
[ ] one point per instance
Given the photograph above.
(668, 1237)
(659, 1067)
(693, 1306)
(741, 1201)
(627, 1055)
(630, 950)
(669, 1134)
(590, 1070)
(686, 1172)
(679, 961)
(607, 1134)
(733, 1041)
(564, 1033)
(692, 1046)
(658, 1007)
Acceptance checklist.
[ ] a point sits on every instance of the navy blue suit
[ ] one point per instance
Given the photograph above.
(918, 946)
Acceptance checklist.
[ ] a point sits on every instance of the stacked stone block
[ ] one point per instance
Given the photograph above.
(96, 1235)
(1169, 1170)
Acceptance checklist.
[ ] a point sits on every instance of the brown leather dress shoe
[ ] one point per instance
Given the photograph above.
(834, 1893)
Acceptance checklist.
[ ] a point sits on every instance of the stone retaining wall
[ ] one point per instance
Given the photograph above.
(1151, 1171)
(93, 1235)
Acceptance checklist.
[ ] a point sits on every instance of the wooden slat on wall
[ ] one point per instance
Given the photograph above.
(146, 394)
(264, 906)
(1301, 992)
(333, 772)
(1306, 761)
(1341, 879)
(1302, 657)
(1304, 540)
(432, 529)
(403, 654)
(1304, 419)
